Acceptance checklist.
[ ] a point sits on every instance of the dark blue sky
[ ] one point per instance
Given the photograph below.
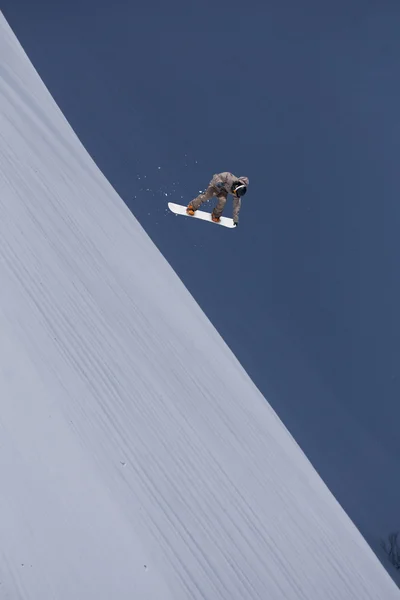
(303, 97)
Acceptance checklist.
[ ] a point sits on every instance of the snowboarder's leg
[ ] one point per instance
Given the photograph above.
(197, 202)
(218, 210)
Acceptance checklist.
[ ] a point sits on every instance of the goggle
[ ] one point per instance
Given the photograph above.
(240, 190)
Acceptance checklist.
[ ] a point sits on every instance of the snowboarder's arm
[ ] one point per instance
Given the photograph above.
(236, 209)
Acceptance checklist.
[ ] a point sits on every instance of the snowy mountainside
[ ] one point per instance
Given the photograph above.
(137, 459)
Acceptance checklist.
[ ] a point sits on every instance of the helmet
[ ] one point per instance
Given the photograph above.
(239, 189)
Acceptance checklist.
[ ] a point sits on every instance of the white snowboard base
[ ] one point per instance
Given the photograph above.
(178, 209)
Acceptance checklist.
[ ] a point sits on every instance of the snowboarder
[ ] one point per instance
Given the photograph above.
(220, 186)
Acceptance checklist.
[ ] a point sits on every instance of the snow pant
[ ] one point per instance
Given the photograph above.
(212, 192)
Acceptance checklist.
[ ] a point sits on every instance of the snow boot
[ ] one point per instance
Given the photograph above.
(190, 210)
(215, 218)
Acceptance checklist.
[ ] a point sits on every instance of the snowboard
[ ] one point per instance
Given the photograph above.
(178, 209)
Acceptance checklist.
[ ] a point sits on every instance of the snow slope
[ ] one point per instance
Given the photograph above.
(137, 459)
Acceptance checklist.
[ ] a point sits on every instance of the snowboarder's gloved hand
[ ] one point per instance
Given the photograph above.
(220, 185)
(236, 224)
